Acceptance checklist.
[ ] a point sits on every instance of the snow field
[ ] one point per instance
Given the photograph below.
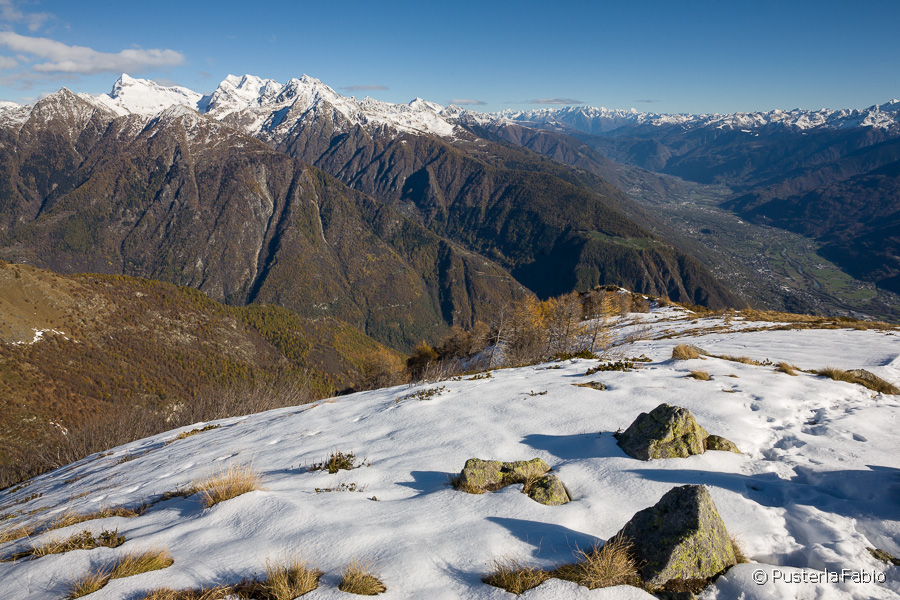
(817, 485)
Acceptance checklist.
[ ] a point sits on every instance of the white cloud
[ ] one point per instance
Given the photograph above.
(7, 62)
(9, 13)
(62, 58)
(466, 102)
(555, 101)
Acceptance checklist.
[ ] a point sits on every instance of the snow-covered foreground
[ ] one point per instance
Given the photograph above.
(818, 483)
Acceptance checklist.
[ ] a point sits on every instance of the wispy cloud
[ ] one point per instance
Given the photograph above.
(364, 88)
(10, 15)
(555, 101)
(646, 101)
(81, 60)
(466, 102)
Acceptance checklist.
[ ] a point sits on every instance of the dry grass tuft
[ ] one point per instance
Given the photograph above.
(88, 584)
(514, 576)
(73, 518)
(15, 533)
(613, 564)
(219, 592)
(192, 432)
(836, 374)
(746, 360)
(357, 578)
(127, 565)
(788, 368)
(83, 540)
(338, 460)
(226, 484)
(285, 580)
(69, 518)
(739, 551)
(686, 352)
(701, 375)
(135, 563)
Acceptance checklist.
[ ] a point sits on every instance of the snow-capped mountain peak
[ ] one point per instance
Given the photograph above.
(147, 98)
(235, 93)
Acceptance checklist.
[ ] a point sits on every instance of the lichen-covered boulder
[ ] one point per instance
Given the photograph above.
(549, 490)
(665, 432)
(717, 442)
(487, 475)
(681, 537)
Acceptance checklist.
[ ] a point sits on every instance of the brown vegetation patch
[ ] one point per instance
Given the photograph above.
(357, 578)
(226, 484)
(687, 352)
(611, 565)
(192, 432)
(83, 540)
(337, 461)
(784, 367)
(218, 592)
(284, 580)
(514, 576)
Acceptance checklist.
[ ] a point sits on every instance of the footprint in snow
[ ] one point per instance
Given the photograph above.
(860, 438)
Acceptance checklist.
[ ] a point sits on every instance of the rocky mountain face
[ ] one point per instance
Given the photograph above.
(184, 198)
(395, 218)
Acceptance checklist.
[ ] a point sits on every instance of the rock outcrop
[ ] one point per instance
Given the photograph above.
(681, 537)
(669, 432)
(479, 476)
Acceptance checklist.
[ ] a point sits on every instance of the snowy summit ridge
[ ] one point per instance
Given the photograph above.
(260, 105)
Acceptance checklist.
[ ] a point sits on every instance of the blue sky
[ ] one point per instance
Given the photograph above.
(654, 56)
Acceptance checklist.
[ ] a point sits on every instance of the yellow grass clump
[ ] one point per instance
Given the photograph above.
(784, 367)
(686, 352)
(701, 375)
(357, 578)
(613, 564)
(226, 484)
(133, 563)
(514, 576)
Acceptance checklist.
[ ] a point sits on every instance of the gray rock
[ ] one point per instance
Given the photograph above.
(549, 490)
(681, 537)
(717, 442)
(480, 476)
(666, 432)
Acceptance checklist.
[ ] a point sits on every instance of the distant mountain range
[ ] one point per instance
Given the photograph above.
(406, 218)
(590, 119)
(394, 218)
